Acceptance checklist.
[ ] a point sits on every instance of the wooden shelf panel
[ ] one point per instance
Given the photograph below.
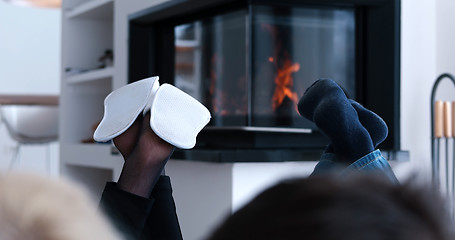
(22, 99)
(94, 9)
(94, 75)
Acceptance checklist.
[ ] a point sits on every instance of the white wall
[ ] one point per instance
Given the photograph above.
(445, 37)
(418, 71)
(30, 49)
(428, 50)
(29, 64)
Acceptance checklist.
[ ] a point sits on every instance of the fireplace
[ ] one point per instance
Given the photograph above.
(250, 61)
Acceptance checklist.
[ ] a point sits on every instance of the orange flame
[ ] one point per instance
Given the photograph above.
(284, 83)
(283, 79)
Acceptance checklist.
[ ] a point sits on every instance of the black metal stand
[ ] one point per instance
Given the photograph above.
(436, 141)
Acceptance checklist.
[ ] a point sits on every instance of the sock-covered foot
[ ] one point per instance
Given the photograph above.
(327, 106)
(373, 123)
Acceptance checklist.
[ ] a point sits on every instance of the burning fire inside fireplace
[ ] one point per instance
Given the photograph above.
(254, 75)
(284, 83)
(227, 101)
(285, 68)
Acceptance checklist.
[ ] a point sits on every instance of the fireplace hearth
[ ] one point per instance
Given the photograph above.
(250, 61)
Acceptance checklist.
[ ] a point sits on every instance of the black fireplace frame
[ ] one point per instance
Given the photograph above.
(377, 55)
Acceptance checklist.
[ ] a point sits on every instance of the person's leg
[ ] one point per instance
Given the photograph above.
(375, 126)
(372, 122)
(144, 160)
(373, 162)
(141, 189)
(378, 131)
(327, 106)
(322, 104)
(141, 202)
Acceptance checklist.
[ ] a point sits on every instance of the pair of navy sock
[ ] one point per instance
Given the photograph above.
(353, 130)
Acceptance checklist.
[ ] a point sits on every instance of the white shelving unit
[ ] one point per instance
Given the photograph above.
(87, 32)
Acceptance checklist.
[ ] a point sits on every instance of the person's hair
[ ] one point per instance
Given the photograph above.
(35, 207)
(356, 208)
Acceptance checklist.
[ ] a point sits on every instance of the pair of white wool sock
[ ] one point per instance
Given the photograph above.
(175, 116)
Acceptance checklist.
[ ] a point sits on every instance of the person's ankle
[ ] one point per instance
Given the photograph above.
(153, 152)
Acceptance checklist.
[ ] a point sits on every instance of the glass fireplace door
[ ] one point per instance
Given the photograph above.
(210, 65)
(250, 67)
(292, 48)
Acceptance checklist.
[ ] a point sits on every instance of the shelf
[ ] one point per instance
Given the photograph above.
(94, 75)
(91, 155)
(93, 9)
(186, 44)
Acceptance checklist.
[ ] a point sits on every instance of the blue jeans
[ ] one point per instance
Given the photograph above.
(373, 162)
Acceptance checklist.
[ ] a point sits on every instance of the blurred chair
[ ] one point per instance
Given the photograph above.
(30, 124)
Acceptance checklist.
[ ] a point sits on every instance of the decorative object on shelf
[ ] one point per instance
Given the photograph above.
(107, 60)
(37, 3)
(69, 71)
(442, 126)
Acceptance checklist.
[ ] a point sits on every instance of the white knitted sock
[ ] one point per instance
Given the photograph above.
(177, 117)
(122, 106)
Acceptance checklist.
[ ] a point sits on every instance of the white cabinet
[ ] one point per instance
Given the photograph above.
(87, 34)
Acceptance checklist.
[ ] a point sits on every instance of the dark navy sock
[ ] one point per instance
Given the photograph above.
(373, 123)
(327, 106)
